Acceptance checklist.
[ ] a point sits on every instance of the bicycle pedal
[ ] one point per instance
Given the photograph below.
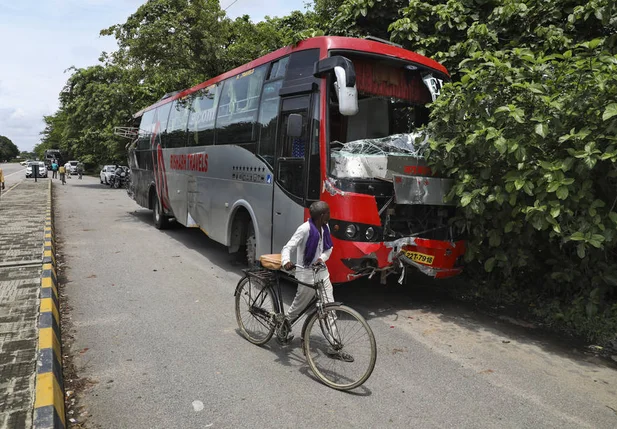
(284, 341)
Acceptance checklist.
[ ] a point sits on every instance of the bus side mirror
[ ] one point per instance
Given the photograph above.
(345, 84)
(294, 125)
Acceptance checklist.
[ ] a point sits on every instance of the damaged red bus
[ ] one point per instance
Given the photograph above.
(243, 155)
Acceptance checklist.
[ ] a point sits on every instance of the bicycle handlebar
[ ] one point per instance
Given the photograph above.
(316, 267)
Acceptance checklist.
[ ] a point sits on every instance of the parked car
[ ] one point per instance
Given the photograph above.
(106, 173)
(42, 169)
(73, 167)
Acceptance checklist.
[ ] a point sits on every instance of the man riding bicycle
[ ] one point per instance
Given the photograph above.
(313, 244)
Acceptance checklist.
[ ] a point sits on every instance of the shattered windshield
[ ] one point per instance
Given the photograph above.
(385, 136)
(402, 144)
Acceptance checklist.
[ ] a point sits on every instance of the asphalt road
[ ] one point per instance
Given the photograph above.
(155, 331)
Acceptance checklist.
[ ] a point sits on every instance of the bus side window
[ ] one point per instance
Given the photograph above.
(279, 68)
(145, 130)
(237, 110)
(201, 120)
(301, 64)
(268, 116)
(178, 118)
(292, 149)
(314, 166)
(143, 153)
(162, 117)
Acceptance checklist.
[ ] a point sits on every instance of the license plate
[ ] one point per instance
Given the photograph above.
(420, 258)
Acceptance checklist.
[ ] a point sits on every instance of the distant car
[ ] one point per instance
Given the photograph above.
(73, 167)
(26, 162)
(106, 172)
(42, 169)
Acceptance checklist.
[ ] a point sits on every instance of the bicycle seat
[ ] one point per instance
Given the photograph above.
(271, 262)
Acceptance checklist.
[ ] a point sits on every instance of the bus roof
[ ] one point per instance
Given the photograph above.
(324, 42)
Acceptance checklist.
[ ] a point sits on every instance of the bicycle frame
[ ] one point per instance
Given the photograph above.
(271, 280)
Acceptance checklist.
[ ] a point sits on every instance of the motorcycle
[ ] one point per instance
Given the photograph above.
(118, 179)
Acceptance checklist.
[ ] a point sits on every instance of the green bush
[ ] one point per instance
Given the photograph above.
(528, 130)
(531, 141)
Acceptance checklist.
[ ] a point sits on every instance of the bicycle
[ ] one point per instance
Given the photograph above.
(332, 332)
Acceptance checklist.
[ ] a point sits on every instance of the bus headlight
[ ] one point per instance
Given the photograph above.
(350, 231)
(370, 233)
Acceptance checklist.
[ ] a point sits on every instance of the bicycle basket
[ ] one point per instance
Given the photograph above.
(271, 262)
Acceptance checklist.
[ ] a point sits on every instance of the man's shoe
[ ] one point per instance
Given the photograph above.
(339, 354)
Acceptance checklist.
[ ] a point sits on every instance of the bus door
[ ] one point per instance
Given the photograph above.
(289, 171)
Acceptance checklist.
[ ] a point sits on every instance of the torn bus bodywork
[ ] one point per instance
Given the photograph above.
(400, 219)
(387, 208)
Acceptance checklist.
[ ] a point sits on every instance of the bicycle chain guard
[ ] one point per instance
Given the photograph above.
(283, 331)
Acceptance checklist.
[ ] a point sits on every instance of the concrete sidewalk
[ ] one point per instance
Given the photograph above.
(24, 212)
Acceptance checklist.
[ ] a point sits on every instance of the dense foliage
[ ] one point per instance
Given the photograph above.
(527, 128)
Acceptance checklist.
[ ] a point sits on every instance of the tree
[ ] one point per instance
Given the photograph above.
(360, 18)
(8, 150)
(165, 46)
(52, 134)
(27, 155)
(173, 43)
(527, 131)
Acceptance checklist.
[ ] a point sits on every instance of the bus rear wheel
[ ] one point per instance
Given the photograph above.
(160, 220)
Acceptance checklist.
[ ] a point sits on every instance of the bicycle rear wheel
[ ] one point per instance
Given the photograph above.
(340, 347)
(254, 310)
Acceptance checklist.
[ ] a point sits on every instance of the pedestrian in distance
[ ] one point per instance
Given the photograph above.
(54, 169)
(1, 182)
(62, 171)
(80, 169)
(67, 169)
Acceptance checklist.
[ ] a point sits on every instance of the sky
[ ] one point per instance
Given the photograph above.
(41, 39)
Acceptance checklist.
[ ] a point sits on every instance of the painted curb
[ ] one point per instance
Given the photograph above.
(49, 396)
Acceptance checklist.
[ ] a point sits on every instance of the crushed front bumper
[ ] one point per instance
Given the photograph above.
(435, 258)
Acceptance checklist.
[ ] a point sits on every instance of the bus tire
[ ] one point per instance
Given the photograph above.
(251, 246)
(160, 220)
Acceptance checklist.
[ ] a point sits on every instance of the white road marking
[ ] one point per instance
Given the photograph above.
(10, 189)
(20, 171)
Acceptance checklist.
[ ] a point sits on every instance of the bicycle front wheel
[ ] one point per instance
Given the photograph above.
(255, 310)
(340, 347)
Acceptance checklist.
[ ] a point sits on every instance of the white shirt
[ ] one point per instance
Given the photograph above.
(298, 243)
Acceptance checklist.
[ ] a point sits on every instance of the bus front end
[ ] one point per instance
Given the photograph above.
(388, 212)
(403, 227)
